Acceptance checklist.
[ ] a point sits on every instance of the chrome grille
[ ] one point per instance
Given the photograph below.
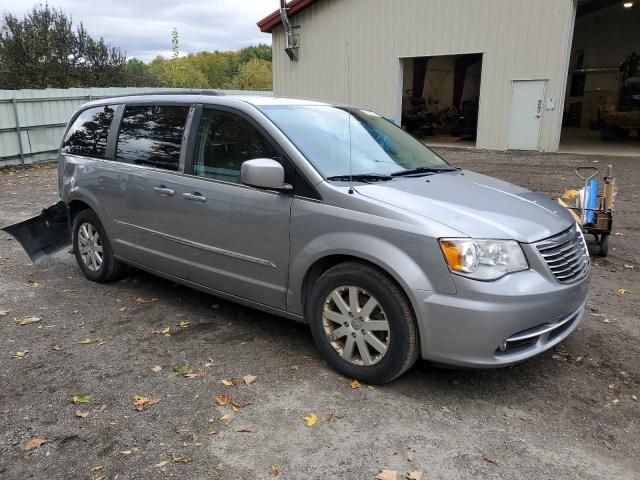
(566, 255)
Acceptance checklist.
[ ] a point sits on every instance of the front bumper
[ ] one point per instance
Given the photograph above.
(493, 324)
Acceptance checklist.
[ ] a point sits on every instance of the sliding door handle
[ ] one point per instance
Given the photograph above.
(194, 197)
(162, 190)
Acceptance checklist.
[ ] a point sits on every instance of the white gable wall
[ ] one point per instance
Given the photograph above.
(519, 39)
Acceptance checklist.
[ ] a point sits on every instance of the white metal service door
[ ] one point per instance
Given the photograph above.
(526, 113)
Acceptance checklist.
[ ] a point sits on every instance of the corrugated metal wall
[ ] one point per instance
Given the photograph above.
(519, 39)
(42, 116)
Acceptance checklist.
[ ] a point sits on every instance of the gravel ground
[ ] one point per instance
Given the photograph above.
(570, 413)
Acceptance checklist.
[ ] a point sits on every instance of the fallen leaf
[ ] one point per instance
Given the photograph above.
(97, 468)
(489, 460)
(177, 459)
(212, 432)
(183, 324)
(387, 475)
(140, 402)
(355, 384)
(102, 342)
(235, 408)
(332, 417)
(228, 382)
(81, 414)
(414, 475)
(143, 301)
(21, 353)
(630, 267)
(611, 386)
(161, 464)
(122, 309)
(180, 371)
(57, 348)
(156, 369)
(225, 417)
(191, 375)
(244, 430)
(32, 284)
(3, 313)
(80, 399)
(311, 419)
(621, 291)
(102, 408)
(579, 359)
(86, 341)
(615, 401)
(275, 470)
(634, 398)
(126, 452)
(27, 320)
(249, 379)
(35, 443)
(223, 400)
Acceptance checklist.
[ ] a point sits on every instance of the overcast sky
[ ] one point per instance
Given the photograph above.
(143, 27)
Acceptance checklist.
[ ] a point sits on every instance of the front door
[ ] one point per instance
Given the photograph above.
(527, 98)
(238, 236)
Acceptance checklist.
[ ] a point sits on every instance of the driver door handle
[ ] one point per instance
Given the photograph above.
(162, 190)
(194, 197)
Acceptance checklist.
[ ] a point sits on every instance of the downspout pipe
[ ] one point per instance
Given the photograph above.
(291, 50)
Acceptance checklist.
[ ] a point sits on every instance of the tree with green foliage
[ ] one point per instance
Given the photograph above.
(44, 50)
(254, 75)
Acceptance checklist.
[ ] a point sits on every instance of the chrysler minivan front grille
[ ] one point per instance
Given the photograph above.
(566, 255)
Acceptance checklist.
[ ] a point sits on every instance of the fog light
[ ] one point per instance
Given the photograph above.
(503, 346)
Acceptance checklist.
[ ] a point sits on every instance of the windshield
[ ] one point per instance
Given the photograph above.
(377, 145)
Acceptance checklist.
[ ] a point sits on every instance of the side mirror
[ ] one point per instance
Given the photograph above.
(263, 173)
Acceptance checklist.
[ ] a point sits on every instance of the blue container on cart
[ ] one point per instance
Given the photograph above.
(590, 202)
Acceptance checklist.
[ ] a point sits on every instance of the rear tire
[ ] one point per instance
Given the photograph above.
(603, 248)
(371, 334)
(93, 250)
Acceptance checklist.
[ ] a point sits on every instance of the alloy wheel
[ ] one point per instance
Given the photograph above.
(356, 325)
(90, 247)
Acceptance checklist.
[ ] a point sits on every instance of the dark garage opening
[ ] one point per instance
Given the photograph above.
(440, 98)
(602, 105)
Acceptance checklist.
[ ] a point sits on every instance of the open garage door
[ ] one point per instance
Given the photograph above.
(440, 98)
(602, 106)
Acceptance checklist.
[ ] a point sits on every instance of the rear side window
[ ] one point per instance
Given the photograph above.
(152, 135)
(88, 134)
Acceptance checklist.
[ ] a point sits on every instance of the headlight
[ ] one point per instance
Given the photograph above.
(483, 259)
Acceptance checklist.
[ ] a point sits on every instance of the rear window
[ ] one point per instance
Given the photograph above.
(152, 135)
(88, 134)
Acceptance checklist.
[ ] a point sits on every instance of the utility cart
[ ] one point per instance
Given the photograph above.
(592, 206)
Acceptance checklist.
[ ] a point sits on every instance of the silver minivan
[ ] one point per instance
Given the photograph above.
(328, 215)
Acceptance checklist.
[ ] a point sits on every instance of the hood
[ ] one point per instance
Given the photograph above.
(477, 205)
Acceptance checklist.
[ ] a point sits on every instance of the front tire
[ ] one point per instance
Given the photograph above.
(362, 323)
(93, 250)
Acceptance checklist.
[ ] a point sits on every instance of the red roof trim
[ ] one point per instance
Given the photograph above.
(268, 23)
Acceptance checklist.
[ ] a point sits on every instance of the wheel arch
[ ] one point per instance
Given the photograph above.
(298, 299)
(80, 200)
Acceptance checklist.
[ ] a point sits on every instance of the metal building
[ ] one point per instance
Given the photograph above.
(504, 62)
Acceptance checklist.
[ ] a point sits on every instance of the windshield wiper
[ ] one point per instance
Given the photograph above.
(419, 170)
(361, 177)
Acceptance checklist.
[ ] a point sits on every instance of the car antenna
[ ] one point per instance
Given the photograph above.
(349, 116)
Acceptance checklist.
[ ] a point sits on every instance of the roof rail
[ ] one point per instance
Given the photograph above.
(212, 93)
